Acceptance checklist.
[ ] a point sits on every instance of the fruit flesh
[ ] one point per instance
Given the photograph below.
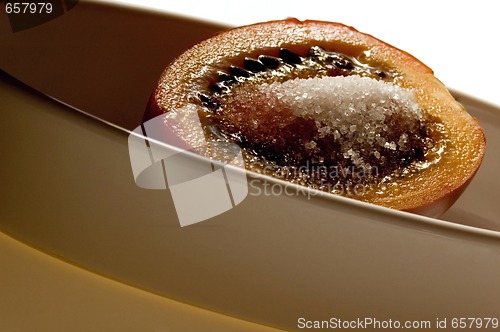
(429, 191)
(356, 151)
(366, 155)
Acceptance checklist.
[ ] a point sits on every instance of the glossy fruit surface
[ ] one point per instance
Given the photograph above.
(244, 57)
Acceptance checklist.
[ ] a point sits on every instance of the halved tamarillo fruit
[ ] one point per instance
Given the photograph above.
(323, 105)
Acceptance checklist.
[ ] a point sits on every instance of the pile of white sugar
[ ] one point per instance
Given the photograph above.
(367, 117)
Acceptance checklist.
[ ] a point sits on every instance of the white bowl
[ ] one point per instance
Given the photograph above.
(68, 190)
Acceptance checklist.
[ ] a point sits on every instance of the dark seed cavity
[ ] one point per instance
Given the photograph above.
(238, 72)
(317, 62)
(220, 87)
(288, 148)
(208, 101)
(344, 62)
(253, 65)
(270, 62)
(225, 77)
(290, 57)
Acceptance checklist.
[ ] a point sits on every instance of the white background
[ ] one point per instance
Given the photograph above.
(457, 39)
